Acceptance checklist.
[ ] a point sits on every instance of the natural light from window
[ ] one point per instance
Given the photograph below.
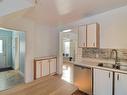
(67, 47)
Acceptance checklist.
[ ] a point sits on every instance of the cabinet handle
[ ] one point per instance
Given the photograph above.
(109, 74)
(84, 44)
(93, 44)
(118, 77)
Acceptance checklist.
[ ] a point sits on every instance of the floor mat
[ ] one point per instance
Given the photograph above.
(78, 92)
(6, 69)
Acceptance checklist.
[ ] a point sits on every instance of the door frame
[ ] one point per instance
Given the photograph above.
(74, 30)
(15, 30)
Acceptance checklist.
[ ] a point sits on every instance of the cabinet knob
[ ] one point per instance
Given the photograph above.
(109, 74)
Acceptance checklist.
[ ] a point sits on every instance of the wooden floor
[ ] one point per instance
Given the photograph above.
(67, 74)
(50, 85)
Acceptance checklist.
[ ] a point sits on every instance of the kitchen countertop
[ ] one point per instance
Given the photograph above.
(49, 85)
(43, 58)
(93, 63)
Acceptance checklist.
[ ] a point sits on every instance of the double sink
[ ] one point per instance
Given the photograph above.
(113, 66)
(116, 65)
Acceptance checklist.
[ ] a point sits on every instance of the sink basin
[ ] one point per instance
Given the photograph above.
(113, 66)
(108, 65)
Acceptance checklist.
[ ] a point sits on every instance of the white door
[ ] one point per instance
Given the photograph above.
(2, 52)
(45, 67)
(92, 35)
(120, 84)
(82, 36)
(52, 66)
(103, 82)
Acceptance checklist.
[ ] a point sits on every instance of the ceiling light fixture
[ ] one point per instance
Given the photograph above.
(69, 30)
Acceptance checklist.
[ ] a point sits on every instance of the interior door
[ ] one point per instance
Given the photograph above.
(2, 52)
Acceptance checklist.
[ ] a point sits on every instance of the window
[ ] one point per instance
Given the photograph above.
(1, 46)
(67, 48)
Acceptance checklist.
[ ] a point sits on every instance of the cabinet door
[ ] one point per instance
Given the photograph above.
(52, 66)
(38, 69)
(92, 35)
(82, 36)
(45, 67)
(103, 82)
(120, 84)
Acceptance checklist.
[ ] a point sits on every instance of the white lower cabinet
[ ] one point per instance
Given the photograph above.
(38, 69)
(52, 66)
(45, 67)
(120, 84)
(106, 84)
(103, 82)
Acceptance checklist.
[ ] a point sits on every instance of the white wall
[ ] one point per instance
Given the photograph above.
(113, 27)
(47, 45)
(41, 40)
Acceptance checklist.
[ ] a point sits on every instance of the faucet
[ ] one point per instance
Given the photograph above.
(116, 56)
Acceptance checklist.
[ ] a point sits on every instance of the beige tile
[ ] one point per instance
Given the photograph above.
(10, 79)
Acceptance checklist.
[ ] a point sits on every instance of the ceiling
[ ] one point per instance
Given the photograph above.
(66, 11)
(11, 6)
(57, 12)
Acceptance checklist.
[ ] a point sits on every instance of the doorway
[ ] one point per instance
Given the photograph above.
(12, 58)
(68, 43)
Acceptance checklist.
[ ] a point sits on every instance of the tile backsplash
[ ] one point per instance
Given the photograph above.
(103, 53)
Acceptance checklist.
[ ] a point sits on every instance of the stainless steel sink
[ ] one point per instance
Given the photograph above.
(113, 66)
(108, 65)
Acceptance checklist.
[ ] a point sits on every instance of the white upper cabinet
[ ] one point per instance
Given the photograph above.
(120, 84)
(93, 35)
(103, 82)
(88, 36)
(82, 36)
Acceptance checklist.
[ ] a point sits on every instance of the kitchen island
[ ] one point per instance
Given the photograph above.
(49, 85)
